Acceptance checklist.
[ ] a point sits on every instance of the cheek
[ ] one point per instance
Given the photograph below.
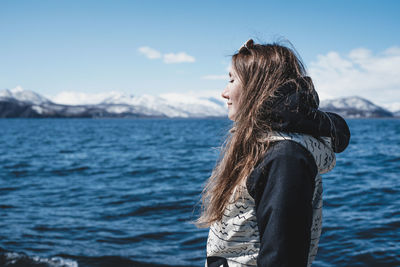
(236, 93)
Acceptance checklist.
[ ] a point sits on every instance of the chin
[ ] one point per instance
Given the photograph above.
(231, 114)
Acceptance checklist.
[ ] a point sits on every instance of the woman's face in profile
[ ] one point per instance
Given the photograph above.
(232, 93)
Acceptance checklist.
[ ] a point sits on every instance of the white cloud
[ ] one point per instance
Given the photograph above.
(215, 77)
(79, 98)
(360, 72)
(149, 52)
(168, 58)
(178, 58)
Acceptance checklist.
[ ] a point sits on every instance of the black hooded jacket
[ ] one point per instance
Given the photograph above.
(282, 184)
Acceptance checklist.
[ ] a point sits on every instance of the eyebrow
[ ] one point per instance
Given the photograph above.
(230, 74)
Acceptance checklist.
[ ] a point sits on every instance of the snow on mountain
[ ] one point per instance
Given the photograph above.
(22, 103)
(195, 106)
(171, 105)
(81, 98)
(21, 95)
(18, 102)
(146, 103)
(350, 102)
(354, 106)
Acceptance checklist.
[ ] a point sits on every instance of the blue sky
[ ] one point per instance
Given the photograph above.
(93, 47)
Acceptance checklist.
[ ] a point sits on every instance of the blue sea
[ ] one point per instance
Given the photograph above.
(124, 192)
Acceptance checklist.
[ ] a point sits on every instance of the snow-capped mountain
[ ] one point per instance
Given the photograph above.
(171, 105)
(21, 95)
(354, 107)
(21, 103)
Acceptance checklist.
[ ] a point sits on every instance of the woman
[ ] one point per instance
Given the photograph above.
(263, 200)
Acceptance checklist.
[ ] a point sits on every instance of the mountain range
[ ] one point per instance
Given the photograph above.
(19, 103)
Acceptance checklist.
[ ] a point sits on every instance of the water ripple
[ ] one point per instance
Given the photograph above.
(125, 193)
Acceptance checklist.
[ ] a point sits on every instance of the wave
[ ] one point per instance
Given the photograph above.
(20, 259)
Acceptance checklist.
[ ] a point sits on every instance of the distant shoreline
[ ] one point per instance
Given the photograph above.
(175, 118)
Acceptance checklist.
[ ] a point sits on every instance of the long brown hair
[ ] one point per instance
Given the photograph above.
(261, 68)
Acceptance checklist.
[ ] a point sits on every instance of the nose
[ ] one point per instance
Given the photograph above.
(224, 93)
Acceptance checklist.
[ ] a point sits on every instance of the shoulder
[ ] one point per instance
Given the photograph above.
(286, 149)
(285, 161)
(286, 152)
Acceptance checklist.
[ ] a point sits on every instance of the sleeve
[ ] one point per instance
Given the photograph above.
(283, 196)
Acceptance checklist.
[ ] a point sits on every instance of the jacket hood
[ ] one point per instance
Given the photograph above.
(321, 149)
(294, 109)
